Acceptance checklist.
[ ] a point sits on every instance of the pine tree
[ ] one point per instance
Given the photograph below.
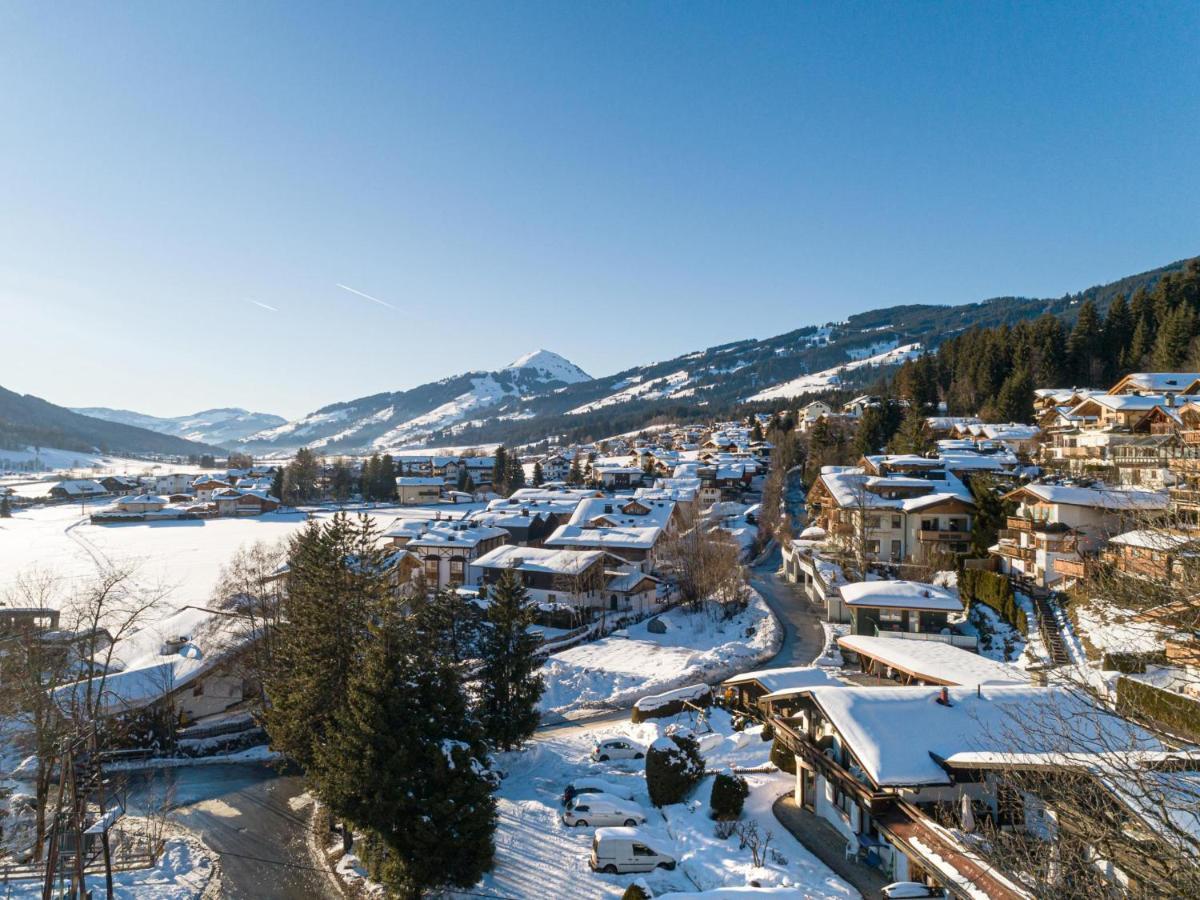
(1174, 338)
(406, 762)
(510, 673)
(500, 472)
(914, 435)
(538, 477)
(369, 480)
(5, 507)
(385, 479)
(575, 473)
(300, 478)
(1118, 331)
(277, 485)
(756, 433)
(514, 477)
(335, 586)
(1084, 346)
(1014, 403)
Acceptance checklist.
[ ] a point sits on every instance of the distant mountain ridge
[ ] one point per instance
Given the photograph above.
(29, 421)
(474, 408)
(223, 427)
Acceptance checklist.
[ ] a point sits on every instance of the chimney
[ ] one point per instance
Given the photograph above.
(944, 696)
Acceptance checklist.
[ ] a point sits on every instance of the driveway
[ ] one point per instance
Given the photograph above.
(803, 636)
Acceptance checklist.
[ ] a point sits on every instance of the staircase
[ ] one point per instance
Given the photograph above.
(1048, 628)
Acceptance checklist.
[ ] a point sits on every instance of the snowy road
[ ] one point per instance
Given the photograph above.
(803, 637)
(248, 815)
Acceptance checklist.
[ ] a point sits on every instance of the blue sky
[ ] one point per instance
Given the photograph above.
(617, 182)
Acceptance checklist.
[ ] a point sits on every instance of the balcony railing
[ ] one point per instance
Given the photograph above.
(955, 640)
(1012, 551)
(1020, 523)
(1185, 497)
(935, 534)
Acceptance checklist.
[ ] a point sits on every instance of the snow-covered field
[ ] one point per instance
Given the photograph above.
(617, 670)
(538, 857)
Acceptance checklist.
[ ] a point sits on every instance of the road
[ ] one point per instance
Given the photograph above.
(803, 637)
(244, 814)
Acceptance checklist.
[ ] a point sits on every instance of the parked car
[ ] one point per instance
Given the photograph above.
(625, 849)
(616, 748)
(602, 809)
(910, 890)
(595, 786)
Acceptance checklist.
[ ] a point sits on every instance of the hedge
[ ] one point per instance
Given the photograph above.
(673, 767)
(729, 794)
(991, 589)
(1129, 663)
(783, 758)
(1176, 713)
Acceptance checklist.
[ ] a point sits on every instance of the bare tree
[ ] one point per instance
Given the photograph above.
(707, 567)
(251, 587)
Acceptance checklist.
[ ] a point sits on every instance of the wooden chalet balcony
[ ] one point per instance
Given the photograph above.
(1012, 551)
(1190, 437)
(1077, 452)
(1185, 465)
(798, 744)
(929, 535)
(1188, 498)
(1071, 568)
(1020, 523)
(844, 528)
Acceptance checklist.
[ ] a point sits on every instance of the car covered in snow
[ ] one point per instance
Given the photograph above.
(625, 849)
(616, 748)
(602, 810)
(595, 786)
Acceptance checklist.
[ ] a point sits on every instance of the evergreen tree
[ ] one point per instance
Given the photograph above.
(913, 436)
(301, 477)
(341, 480)
(756, 433)
(385, 479)
(1174, 338)
(406, 761)
(991, 514)
(463, 482)
(277, 484)
(1084, 346)
(5, 507)
(575, 473)
(500, 471)
(515, 475)
(1014, 403)
(1118, 331)
(510, 678)
(369, 478)
(335, 585)
(538, 477)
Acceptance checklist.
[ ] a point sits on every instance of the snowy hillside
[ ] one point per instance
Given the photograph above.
(210, 426)
(832, 378)
(391, 421)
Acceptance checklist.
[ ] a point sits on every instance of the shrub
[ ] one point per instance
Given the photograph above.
(783, 758)
(729, 794)
(673, 766)
(991, 589)
(635, 892)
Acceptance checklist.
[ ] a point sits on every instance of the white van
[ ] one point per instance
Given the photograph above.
(602, 809)
(620, 850)
(595, 786)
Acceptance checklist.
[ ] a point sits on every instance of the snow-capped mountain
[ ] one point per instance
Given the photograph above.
(222, 427)
(390, 421)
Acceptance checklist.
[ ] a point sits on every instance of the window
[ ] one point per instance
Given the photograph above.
(872, 521)
(457, 570)
(432, 568)
(894, 616)
(198, 690)
(551, 598)
(642, 850)
(872, 546)
(897, 522)
(895, 550)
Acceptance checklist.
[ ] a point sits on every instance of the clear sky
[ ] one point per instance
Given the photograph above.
(184, 186)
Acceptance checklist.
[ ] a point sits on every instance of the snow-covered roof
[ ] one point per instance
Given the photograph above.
(620, 538)
(901, 595)
(419, 481)
(786, 679)
(934, 660)
(1106, 497)
(623, 511)
(1124, 402)
(457, 534)
(1150, 539)
(539, 559)
(895, 732)
(1159, 382)
(144, 498)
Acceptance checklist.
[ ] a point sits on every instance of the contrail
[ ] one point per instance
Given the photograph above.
(265, 306)
(367, 296)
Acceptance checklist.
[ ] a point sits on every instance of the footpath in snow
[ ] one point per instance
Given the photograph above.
(697, 647)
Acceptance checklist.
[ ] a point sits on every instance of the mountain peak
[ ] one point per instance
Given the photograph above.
(553, 366)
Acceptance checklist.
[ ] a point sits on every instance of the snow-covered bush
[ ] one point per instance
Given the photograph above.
(673, 767)
(783, 758)
(635, 892)
(729, 794)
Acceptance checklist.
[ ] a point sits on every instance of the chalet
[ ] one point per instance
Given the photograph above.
(120, 484)
(614, 477)
(77, 489)
(412, 490)
(448, 550)
(893, 509)
(527, 524)
(814, 411)
(901, 609)
(883, 765)
(744, 692)
(234, 502)
(1157, 555)
(1056, 527)
(206, 485)
(629, 589)
(174, 483)
(1168, 384)
(570, 578)
(943, 426)
(141, 503)
(634, 544)
(617, 512)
